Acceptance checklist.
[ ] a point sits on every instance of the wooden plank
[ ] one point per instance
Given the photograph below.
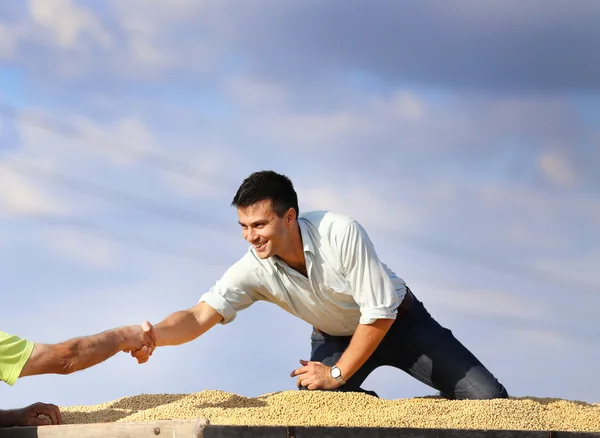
(379, 432)
(200, 429)
(146, 429)
(382, 432)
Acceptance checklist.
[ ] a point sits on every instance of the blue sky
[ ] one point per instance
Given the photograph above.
(463, 135)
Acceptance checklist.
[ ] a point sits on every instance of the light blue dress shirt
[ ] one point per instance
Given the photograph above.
(347, 284)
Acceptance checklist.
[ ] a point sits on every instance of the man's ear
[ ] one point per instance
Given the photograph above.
(290, 216)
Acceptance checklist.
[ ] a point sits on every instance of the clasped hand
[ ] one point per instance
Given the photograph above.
(314, 375)
(141, 341)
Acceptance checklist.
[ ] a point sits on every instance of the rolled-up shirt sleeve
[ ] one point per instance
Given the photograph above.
(236, 290)
(370, 284)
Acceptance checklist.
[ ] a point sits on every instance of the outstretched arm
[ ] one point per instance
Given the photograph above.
(83, 352)
(183, 326)
(186, 325)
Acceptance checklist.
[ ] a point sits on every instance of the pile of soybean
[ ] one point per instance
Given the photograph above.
(324, 408)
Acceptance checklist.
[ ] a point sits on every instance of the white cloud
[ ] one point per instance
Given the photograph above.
(499, 215)
(82, 249)
(125, 40)
(340, 129)
(124, 141)
(541, 338)
(310, 132)
(403, 105)
(557, 168)
(488, 303)
(148, 47)
(89, 143)
(363, 202)
(212, 168)
(580, 268)
(9, 37)
(255, 93)
(68, 22)
(21, 196)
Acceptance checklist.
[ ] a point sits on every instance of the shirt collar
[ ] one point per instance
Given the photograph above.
(306, 241)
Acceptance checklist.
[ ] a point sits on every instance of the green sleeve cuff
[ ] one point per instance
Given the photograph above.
(21, 359)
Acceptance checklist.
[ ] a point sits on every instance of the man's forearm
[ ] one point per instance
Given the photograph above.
(365, 340)
(186, 325)
(177, 328)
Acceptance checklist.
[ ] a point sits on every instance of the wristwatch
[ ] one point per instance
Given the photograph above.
(336, 373)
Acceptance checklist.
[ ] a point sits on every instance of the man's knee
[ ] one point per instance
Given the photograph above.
(479, 384)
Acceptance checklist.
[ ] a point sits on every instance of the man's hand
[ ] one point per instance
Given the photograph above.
(141, 341)
(31, 415)
(315, 375)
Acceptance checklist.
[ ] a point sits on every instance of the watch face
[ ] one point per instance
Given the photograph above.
(335, 372)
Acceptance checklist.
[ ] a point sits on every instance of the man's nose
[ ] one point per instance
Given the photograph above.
(250, 235)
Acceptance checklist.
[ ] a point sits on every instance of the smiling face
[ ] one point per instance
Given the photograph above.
(268, 233)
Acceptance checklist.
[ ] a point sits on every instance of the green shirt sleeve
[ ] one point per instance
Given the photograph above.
(14, 354)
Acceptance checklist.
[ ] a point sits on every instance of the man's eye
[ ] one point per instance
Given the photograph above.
(259, 226)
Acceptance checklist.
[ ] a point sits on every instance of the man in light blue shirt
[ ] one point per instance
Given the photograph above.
(323, 268)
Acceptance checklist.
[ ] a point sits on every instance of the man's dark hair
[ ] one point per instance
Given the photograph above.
(267, 185)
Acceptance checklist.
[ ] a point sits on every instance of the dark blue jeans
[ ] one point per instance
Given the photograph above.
(420, 346)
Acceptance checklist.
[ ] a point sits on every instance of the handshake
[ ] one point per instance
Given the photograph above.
(140, 341)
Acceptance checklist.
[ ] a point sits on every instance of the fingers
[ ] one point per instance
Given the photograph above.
(299, 371)
(150, 337)
(148, 328)
(309, 383)
(39, 421)
(304, 369)
(150, 332)
(302, 372)
(49, 410)
(312, 375)
(58, 414)
(142, 355)
(145, 342)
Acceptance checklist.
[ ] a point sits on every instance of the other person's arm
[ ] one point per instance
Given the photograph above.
(80, 353)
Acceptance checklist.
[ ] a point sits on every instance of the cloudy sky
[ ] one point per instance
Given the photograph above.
(464, 135)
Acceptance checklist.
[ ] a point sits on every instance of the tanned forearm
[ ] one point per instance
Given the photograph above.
(365, 340)
(186, 325)
(81, 353)
(76, 354)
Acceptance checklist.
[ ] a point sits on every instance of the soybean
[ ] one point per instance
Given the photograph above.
(329, 408)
